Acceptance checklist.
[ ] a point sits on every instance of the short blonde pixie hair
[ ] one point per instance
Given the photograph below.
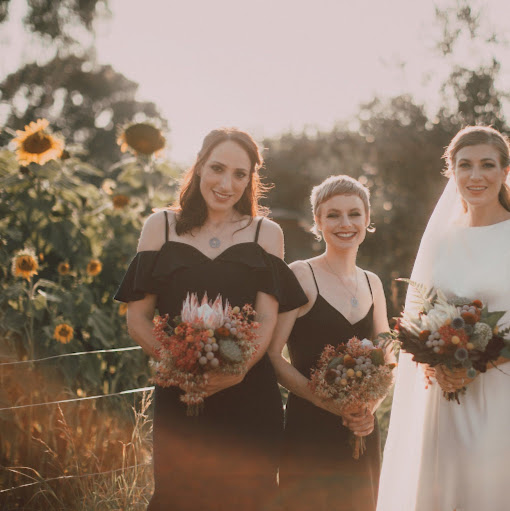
(333, 186)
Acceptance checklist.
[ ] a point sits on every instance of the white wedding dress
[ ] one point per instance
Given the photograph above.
(442, 456)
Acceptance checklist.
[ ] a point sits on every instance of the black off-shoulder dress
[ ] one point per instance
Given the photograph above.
(317, 470)
(226, 458)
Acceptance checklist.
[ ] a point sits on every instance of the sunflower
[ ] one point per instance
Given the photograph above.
(63, 333)
(63, 268)
(120, 201)
(123, 309)
(24, 264)
(35, 145)
(94, 267)
(141, 138)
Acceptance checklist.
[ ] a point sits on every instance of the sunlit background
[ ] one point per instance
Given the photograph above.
(269, 66)
(372, 89)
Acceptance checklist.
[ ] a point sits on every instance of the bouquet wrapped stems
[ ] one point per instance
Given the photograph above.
(359, 446)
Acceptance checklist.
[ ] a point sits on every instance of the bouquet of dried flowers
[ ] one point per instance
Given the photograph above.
(354, 374)
(207, 337)
(456, 332)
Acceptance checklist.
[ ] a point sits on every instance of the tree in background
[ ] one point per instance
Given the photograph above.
(82, 99)
(396, 150)
(60, 23)
(85, 101)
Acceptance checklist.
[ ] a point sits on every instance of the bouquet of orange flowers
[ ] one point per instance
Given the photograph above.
(353, 374)
(456, 332)
(206, 337)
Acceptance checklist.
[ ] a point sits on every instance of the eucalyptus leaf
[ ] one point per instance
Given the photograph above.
(334, 362)
(492, 318)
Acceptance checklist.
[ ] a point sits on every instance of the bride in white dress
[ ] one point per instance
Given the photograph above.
(442, 456)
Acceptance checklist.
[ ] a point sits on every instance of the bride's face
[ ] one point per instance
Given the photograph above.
(479, 175)
(343, 221)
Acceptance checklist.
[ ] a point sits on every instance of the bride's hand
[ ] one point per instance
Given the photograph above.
(216, 382)
(429, 374)
(452, 380)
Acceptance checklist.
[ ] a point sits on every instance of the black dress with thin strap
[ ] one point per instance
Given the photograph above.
(317, 470)
(227, 457)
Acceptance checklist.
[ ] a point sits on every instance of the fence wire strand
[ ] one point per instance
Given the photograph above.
(72, 477)
(74, 354)
(123, 392)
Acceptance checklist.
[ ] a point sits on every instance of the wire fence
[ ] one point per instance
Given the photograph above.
(44, 481)
(63, 401)
(74, 354)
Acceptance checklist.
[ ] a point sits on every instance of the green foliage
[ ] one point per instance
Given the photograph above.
(85, 101)
(56, 212)
(63, 216)
(59, 21)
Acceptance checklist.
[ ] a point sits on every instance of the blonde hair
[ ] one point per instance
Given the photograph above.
(333, 186)
(480, 135)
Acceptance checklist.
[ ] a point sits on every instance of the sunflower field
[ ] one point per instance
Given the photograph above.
(67, 233)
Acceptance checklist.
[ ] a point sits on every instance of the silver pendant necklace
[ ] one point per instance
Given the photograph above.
(354, 299)
(214, 242)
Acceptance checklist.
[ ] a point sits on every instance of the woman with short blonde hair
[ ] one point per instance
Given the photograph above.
(317, 470)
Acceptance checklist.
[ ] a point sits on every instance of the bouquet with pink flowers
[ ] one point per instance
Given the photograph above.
(353, 374)
(206, 337)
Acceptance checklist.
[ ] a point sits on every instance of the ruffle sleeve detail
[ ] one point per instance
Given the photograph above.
(138, 280)
(278, 280)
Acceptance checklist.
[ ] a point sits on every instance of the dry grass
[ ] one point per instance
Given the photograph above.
(84, 458)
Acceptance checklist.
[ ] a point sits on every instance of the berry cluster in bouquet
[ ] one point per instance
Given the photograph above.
(207, 337)
(354, 374)
(458, 333)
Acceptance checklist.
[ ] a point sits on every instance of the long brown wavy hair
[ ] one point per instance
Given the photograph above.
(478, 135)
(191, 208)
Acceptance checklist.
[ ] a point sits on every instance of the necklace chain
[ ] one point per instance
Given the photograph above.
(215, 241)
(354, 299)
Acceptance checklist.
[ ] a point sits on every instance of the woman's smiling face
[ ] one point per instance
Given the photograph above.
(479, 174)
(343, 221)
(225, 175)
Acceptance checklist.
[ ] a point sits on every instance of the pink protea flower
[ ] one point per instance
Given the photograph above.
(206, 315)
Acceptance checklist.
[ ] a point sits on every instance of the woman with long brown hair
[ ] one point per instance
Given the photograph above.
(216, 240)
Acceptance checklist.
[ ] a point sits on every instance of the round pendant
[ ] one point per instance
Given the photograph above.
(214, 242)
(354, 301)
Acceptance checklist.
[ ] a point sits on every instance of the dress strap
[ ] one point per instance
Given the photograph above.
(259, 223)
(314, 279)
(166, 225)
(369, 286)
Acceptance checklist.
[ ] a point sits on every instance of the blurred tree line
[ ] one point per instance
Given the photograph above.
(85, 101)
(395, 149)
(394, 146)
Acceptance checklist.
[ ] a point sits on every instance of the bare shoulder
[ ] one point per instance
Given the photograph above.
(271, 237)
(300, 268)
(153, 231)
(302, 271)
(375, 282)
